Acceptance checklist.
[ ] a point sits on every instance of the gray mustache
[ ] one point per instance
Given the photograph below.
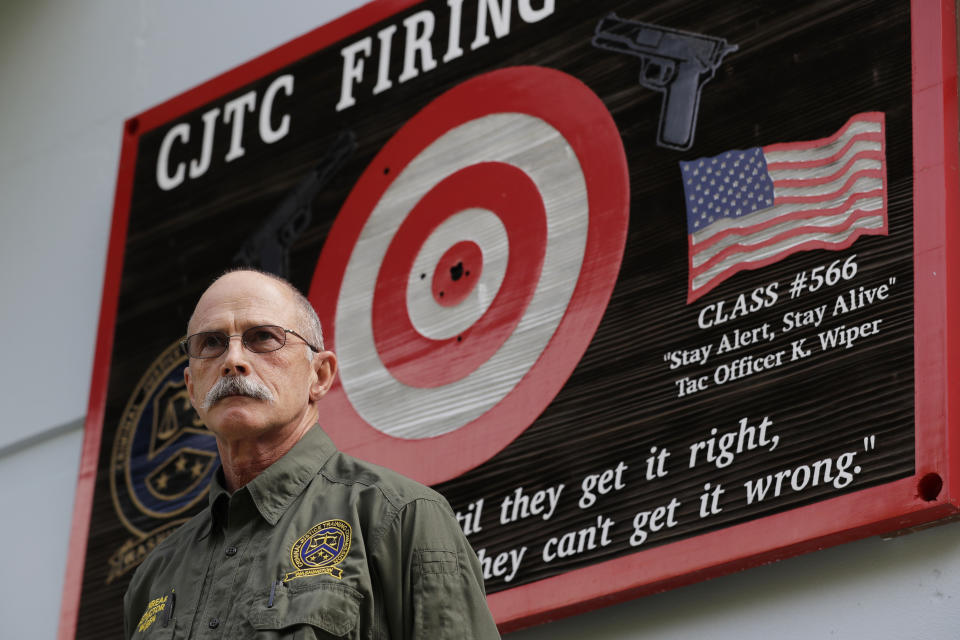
(236, 386)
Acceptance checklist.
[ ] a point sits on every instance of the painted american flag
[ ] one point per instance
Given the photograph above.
(748, 209)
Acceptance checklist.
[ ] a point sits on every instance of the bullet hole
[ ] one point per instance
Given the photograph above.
(386, 170)
(422, 276)
(459, 338)
(929, 486)
(456, 271)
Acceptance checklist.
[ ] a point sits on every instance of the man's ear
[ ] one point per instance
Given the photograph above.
(325, 366)
(188, 380)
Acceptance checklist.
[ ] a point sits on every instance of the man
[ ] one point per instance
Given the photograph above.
(299, 540)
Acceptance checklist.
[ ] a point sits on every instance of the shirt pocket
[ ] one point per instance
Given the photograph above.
(319, 611)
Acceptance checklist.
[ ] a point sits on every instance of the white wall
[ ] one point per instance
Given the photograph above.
(70, 73)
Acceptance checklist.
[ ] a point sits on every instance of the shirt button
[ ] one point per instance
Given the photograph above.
(230, 551)
(214, 623)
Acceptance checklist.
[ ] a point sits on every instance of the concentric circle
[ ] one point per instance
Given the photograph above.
(432, 345)
(526, 166)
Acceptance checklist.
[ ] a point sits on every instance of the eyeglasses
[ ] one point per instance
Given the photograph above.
(262, 339)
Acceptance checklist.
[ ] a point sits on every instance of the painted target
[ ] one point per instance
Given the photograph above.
(469, 268)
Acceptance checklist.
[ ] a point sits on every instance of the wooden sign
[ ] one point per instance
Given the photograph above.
(650, 293)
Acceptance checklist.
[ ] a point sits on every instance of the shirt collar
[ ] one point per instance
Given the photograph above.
(279, 484)
(282, 482)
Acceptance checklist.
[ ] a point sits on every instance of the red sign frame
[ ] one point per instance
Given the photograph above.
(932, 493)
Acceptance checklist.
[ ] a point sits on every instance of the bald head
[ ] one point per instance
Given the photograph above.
(308, 323)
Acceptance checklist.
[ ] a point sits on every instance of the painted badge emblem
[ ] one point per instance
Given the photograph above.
(162, 461)
(320, 550)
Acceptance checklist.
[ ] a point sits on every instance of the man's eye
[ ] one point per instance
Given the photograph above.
(211, 341)
(262, 336)
(262, 339)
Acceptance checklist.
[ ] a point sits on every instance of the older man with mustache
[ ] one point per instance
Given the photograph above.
(299, 540)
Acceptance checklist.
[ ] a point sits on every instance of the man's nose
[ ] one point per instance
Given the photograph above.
(235, 358)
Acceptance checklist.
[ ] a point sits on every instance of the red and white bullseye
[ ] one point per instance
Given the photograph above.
(404, 410)
(468, 269)
(457, 273)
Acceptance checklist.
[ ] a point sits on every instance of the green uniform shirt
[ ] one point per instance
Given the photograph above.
(319, 545)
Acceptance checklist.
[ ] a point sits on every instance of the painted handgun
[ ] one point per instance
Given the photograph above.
(268, 249)
(675, 63)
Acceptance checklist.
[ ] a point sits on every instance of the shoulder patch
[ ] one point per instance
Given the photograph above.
(320, 550)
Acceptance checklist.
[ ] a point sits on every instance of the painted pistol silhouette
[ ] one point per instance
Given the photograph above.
(675, 63)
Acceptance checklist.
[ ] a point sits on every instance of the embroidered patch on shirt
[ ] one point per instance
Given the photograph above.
(320, 550)
(153, 610)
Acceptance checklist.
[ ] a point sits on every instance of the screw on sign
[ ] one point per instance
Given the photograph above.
(508, 195)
